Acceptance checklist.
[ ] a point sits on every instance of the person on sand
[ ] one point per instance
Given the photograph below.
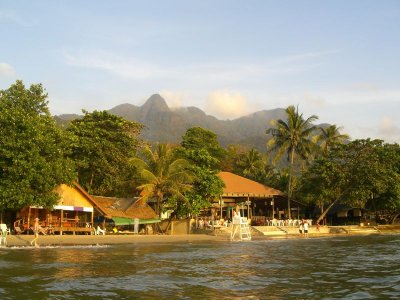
(305, 226)
(236, 216)
(301, 227)
(3, 237)
(35, 232)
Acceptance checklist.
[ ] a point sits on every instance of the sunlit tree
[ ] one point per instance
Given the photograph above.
(162, 175)
(329, 137)
(101, 147)
(33, 150)
(292, 136)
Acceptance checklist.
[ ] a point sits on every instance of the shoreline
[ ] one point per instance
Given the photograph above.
(117, 239)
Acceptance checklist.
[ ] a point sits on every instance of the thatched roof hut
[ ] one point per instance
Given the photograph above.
(123, 211)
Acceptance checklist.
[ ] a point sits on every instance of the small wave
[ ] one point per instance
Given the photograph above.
(57, 247)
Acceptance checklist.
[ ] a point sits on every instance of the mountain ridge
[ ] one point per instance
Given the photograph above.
(166, 125)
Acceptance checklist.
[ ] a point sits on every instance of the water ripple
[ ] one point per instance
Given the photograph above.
(329, 268)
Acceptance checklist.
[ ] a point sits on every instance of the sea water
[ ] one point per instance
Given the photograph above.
(348, 267)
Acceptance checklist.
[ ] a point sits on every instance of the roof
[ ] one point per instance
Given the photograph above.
(130, 208)
(236, 185)
(86, 194)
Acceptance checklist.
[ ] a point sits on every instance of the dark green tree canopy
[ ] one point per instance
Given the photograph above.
(202, 149)
(102, 146)
(32, 149)
(363, 173)
(197, 138)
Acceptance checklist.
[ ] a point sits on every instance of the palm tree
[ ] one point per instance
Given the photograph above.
(251, 164)
(292, 137)
(329, 137)
(162, 174)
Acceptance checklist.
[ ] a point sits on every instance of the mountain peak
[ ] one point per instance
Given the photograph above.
(155, 103)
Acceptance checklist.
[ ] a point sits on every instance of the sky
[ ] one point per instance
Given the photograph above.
(336, 59)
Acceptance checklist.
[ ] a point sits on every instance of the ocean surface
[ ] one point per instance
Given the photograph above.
(348, 267)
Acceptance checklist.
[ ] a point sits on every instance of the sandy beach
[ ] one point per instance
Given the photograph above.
(72, 240)
(60, 240)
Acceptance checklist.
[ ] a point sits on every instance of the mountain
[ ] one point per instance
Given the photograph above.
(163, 124)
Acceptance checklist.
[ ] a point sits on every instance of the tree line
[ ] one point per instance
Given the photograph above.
(105, 154)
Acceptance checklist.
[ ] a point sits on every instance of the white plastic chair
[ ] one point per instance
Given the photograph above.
(99, 231)
(3, 231)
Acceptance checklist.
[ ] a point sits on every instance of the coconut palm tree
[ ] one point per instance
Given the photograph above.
(292, 137)
(330, 136)
(162, 174)
(251, 163)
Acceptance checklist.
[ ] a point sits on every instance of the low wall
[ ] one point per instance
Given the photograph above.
(176, 227)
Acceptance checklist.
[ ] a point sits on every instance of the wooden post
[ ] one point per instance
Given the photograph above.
(61, 221)
(29, 216)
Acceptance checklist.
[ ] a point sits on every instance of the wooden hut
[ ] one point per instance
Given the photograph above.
(124, 211)
(74, 212)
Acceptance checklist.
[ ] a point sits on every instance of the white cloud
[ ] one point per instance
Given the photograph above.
(124, 67)
(368, 94)
(389, 130)
(173, 98)
(12, 17)
(6, 70)
(314, 100)
(227, 104)
(219, 73)
(364, 86)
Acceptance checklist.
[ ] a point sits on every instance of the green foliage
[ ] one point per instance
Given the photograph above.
(197, 138)
(252, 165)
(292, 137)
(363, 173)
(329, 137)
(32, 149)
(207, 185)
(202, 149)
(233, 152)
(163, 176)
(102, 147)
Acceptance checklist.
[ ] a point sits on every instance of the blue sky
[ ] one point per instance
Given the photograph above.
(338, 60)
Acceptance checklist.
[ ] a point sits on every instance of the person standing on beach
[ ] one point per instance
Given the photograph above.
(305, 226)
(301, 227)
(35, 232)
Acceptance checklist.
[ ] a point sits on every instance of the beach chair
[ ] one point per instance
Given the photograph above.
(18, 230)
(99, 231)
(42, 230)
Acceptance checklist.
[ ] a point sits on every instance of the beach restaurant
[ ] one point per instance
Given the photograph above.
(74, 212)
(256, 201)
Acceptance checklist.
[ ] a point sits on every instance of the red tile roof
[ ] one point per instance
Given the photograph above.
(236, 185)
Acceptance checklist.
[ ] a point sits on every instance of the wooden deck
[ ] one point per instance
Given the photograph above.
(60, 230)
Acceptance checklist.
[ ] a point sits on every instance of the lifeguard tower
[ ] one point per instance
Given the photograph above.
(240, 229)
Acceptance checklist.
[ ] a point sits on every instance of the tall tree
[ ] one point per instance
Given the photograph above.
(329, 137)
(292, 137)
(252, 164)
(202, 149)
(32, 149)
(197, 138)
(102, 146)
(232, 155)
(363, 173)
(162, 175)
